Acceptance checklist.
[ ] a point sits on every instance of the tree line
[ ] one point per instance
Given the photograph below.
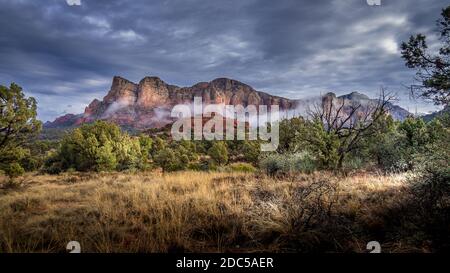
(326, 140)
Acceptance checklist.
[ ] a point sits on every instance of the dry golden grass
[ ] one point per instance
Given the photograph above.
(197, 212)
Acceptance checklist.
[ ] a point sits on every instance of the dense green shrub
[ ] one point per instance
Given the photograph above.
(171, 160)
(14, 170)
(323, 145)
(100, 146)
(274, 164)
(431, 192)
(251, 151)
(18, 125)
(241, 167)
(218, 153)
(194, 166)
(292, 132)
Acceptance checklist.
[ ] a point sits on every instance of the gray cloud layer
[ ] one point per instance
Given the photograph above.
(65, 55)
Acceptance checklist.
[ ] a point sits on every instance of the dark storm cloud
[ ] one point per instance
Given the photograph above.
(66, 54)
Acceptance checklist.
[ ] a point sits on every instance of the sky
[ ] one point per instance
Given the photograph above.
(65, 52)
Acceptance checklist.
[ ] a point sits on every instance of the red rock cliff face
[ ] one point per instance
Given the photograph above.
(148, 104)
(121, 90)
(152, 92)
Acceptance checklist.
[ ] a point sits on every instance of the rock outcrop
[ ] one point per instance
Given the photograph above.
(148, 103)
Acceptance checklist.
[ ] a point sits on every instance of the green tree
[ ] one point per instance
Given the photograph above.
(415, 131)
(187, 148)
(437, 130)
(338, 128)
(100, 146)
(38, 151)
(105, 159)
(128, 153)
(158, 145)
(219, 153)
(17, 117)
(14, 170)
(414, 137)
(382, 144)
(291, 131)
(433, 71)
(251, 151)
(323, 144)
(18, 125)
(431, 185)
(146, 145)
(166, 159)
(417, 138)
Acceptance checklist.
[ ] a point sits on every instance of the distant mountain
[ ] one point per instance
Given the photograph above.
(355, 96)
(431, 116)
(148, 104)
(67, 120)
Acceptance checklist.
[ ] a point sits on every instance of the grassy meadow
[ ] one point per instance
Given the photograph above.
(209, 212)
